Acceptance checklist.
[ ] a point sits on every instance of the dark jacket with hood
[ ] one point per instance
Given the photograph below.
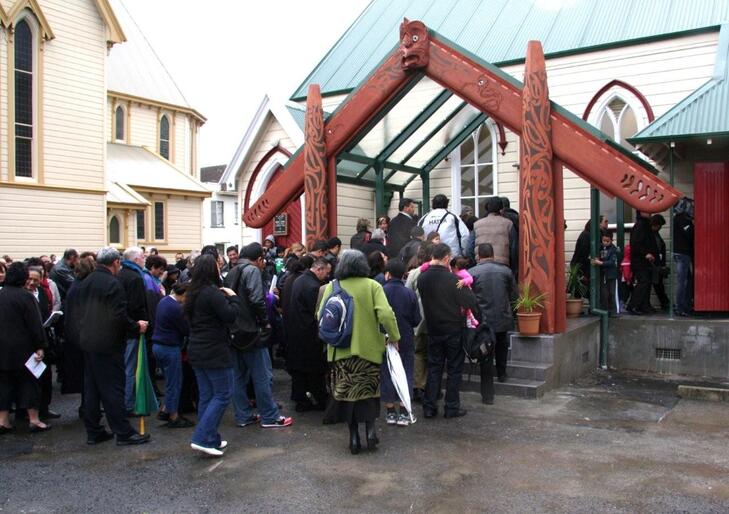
(305, 351)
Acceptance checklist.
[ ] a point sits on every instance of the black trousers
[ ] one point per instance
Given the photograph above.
(502, 352)
(640, 299)
(104, 378)
(46, 385)
(660, 290)
(487, 378)
(444, 352)
(311, 381)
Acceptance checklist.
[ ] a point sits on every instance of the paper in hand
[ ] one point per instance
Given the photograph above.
(34, 366)
(55, 315)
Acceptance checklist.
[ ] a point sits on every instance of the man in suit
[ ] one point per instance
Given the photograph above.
(399, 231)
(103, 329)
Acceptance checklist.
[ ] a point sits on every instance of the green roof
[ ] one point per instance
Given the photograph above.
(497, 31)
(703, 113)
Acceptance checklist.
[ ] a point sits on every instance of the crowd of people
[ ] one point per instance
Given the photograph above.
(215, 324)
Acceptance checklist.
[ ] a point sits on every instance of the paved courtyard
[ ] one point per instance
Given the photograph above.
(608, 444)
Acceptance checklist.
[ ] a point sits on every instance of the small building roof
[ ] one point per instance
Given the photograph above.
(702, 114)
(122, 194)
(211, 173)
(135, 69)
(497, 31)
(142, 169)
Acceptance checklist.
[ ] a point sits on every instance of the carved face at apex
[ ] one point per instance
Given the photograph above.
(413, 44)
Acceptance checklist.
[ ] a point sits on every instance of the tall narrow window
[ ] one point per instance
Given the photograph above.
(159, 220)
(119, 121)
(216, 211)
(235, 214)
(114, 236)
(23, 100)
(141, 226)
(164, 137)
(477, 170)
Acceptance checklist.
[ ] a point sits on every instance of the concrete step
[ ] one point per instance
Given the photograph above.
(518, 369)
(520, 387)
(532, 348)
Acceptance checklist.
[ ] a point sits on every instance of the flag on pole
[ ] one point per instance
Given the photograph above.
(145, 401)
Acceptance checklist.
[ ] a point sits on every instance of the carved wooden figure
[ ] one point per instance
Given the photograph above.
(315, 170)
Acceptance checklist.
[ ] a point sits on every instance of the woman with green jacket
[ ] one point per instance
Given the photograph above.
(356, 386)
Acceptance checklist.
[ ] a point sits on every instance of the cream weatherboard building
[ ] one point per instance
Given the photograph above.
(617, 64)
(97, 143)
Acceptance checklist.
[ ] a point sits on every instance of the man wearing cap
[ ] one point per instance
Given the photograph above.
(398, 233)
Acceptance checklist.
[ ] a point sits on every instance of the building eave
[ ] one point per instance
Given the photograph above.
(115, 33)
(156, 103)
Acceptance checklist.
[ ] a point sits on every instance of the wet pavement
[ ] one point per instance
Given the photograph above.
(607, 444)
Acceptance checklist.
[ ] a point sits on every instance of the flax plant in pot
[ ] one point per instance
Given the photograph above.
(526, 302)
(576, 289)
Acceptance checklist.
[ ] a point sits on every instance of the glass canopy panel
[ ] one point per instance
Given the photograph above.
(399, 178)
(398, 119)
(349, 169)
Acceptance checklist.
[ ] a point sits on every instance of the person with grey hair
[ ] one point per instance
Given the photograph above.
(356, 368)
(103, 329)
(376, 244)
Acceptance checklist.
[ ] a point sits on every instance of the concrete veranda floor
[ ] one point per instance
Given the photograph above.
(612, 443)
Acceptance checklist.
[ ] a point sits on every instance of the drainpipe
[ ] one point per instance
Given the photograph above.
(669, 258)
(595, 275)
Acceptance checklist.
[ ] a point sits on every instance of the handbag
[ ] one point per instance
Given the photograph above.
(244, 341)
(479, 342)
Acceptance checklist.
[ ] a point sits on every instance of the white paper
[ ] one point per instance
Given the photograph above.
(34, 366)
(52, 318)
(274, 282)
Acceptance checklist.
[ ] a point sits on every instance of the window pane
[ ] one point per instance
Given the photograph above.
(467, 152)
(23, 98)
(23, 47)
(164, 137)
(485, 180)
(23, 157)
(469, 202)
(606, 125)
(468, 181)
(485, 153)
(235, 214)
(140, 226)
(219, 214)
(164, 149)
(159, 220)
(628, 126)
(119, 124)
(114, 230)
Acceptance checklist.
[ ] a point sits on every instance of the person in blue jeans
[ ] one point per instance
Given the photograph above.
(253, 362)
(170, 330)
(210, 309)
(404, 303)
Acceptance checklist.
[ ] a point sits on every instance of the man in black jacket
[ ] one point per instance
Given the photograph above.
(62, 272)
(103, 329)
(398, 232)
(443, 304)
(410, 250)
(305, 358)
(683, 254)
(643, 256)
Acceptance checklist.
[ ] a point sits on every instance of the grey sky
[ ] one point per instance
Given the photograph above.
(225, 54)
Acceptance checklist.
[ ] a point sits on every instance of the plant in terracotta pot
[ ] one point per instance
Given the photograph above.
(576, 289)
(526, 302)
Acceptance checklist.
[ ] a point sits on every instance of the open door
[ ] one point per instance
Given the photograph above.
(711, 245)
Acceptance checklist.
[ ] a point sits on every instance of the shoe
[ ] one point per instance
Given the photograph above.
(281, 422)
(223, 445)
(503, 378)
(180, 422)
(391, 418)
(99, 438)
(455, 414)
(49, 414)
(133, 439)
(207, 450)
(430, 413)
(163, 416)
(371, 433)
(250, 421)
(354, 442)
(487, 401)
(403, 420)
(36, 429)
(6, 430)
(418, 395)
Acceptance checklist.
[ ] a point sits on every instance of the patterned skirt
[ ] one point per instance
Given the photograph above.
(355, 392)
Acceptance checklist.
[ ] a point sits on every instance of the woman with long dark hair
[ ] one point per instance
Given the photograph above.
(356, 386)
(210, 309)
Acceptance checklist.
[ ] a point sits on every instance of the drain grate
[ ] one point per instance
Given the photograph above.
(671, 354)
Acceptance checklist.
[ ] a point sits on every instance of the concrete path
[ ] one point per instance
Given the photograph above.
(609, 444)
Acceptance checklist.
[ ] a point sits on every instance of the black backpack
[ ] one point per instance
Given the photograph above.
(245, 332)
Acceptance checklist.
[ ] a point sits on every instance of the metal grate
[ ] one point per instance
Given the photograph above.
(672, 354)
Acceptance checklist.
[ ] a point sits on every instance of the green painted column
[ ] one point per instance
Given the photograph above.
(425, 179)
(379, 188)
(594, 247)
(669, 257)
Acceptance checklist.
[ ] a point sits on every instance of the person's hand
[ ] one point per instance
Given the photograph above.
(39, 354)
(460, 284)
(649, 257)
(396, 344)
(143, 325)
(162, 290)
(227, 291)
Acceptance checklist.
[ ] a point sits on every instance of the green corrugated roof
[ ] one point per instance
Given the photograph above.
(704, 113)
(299, 115)
(497, 31)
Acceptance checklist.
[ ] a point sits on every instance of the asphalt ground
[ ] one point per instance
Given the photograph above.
(611, 443)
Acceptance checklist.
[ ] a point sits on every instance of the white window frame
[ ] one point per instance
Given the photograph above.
(213, 214)
(455, 158)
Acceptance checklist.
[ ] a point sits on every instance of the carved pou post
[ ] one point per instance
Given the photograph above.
(536, 188)
(315, 170)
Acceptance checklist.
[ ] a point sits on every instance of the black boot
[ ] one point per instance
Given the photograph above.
(354, 444)
(372, 439)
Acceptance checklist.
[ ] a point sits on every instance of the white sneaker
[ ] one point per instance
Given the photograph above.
(403, 420)
(210, 451)
(223, 445)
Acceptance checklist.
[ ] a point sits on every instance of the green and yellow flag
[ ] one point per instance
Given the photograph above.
(145, 401)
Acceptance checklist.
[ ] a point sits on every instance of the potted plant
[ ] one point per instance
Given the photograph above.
(576, 289)
(526, 302)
